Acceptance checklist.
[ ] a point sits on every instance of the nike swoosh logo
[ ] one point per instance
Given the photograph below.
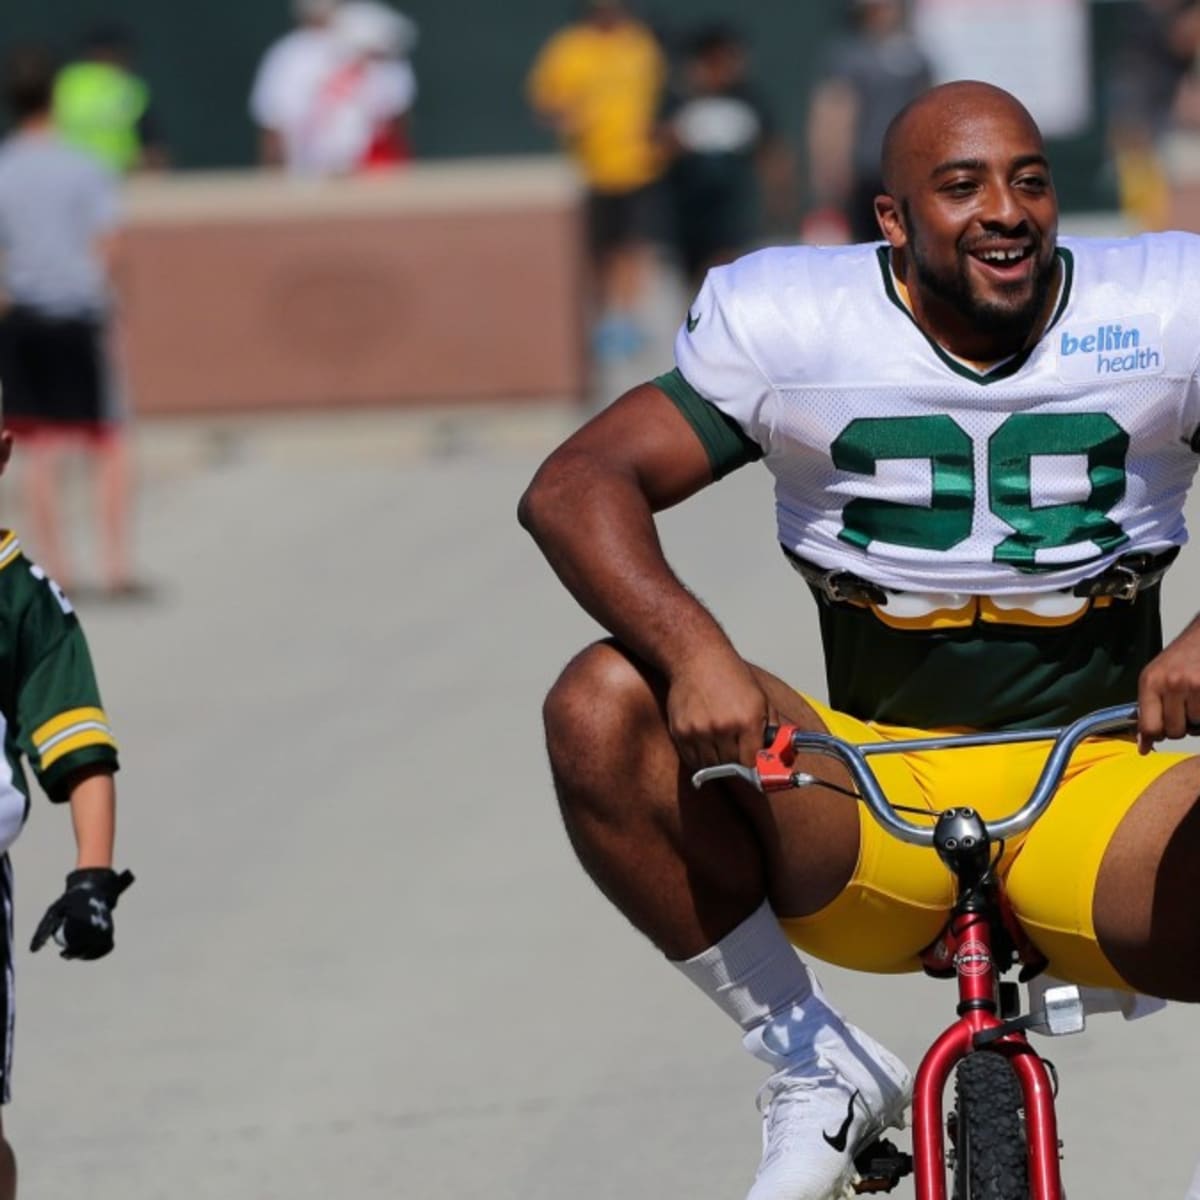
(838, 1141)
(692, 322)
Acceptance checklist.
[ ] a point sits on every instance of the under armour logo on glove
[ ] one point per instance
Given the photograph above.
(100, 916)
(80, 920)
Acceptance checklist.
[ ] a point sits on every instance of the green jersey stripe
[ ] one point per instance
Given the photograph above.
(726, 443)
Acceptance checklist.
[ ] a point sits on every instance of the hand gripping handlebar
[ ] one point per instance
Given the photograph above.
(773, 770)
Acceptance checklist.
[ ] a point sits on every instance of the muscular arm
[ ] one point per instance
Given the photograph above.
(1169, 690)
(590, 508)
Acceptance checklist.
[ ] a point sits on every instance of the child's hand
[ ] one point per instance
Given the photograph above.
(80, 920)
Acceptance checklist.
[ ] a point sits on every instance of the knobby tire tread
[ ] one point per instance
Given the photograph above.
(992, 1160)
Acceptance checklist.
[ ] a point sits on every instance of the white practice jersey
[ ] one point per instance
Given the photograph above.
(904, 465)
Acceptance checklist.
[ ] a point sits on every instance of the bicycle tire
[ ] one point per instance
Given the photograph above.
(991, 1161)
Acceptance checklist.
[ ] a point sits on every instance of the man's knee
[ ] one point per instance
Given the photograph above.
(1146, 891)
(598, 701)
(1165, 964)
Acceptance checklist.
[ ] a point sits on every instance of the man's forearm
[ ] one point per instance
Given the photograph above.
(596, 529)
(93, 814)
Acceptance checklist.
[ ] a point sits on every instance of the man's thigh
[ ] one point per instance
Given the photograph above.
(1092, 884)
(1087, 882)
(844, 889)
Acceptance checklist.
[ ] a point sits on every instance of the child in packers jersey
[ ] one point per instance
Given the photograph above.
(51, 716)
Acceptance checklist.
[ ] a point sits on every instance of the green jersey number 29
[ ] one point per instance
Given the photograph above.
(1012, 449)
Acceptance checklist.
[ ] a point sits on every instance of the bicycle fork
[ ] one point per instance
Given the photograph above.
(964, 846)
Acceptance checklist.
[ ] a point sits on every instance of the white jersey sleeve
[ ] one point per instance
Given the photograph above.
(714, 357)
(1188, 282)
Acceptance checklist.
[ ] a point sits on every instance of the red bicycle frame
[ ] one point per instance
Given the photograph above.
(974, 936)
(969, 939)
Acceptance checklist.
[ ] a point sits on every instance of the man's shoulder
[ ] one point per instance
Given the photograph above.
(1136, 248)
(797, 272)
(795, 309)
(294, 51)
(31, 601)
(582, 41)
(1160, 270)
(47, 151)
(19, 575)
(643, 37)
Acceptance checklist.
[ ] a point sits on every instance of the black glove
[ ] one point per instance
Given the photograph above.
(80, 920)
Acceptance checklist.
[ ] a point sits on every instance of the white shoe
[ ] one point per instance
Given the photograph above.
(826, 1103)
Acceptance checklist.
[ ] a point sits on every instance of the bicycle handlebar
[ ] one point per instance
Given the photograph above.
(773, 768)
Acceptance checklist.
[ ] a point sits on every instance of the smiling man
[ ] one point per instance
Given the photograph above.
(984, 285)
(981, 440)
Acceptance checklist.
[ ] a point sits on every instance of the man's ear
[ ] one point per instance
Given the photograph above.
(891, 220)
(6, 448)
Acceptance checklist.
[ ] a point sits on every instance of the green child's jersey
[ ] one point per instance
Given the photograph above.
(50, 710)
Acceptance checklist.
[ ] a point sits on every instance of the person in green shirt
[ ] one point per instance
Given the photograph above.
(103, 108)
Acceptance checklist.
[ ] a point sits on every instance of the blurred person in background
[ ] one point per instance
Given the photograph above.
(728, 168)
(362, 109)
(333, 97)
(599, 84)
(288, 75)
(59, 218)
(103, 108)
(1159, 43)
(874, 73)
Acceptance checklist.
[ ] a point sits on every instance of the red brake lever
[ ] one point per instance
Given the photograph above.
(774, 763)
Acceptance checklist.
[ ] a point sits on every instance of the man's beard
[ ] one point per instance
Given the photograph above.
(954, 288)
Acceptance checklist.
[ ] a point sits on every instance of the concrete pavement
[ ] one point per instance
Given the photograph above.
(359, 958)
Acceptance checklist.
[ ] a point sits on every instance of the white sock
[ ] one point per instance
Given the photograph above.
(753, 973)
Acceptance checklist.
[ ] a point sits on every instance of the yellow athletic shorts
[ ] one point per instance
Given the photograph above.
(900, 896)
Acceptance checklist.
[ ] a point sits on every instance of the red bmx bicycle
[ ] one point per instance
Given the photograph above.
(1003, 1136)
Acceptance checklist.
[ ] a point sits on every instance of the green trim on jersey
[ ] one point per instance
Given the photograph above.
(52, 780)
(987, 676)
(1013, 365)
(725, 441)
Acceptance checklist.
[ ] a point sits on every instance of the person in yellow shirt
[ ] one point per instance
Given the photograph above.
(599, 83)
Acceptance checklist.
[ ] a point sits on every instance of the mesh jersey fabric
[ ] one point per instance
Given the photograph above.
(896, 462)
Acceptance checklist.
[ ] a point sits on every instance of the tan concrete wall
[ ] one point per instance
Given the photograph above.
(442, 283)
